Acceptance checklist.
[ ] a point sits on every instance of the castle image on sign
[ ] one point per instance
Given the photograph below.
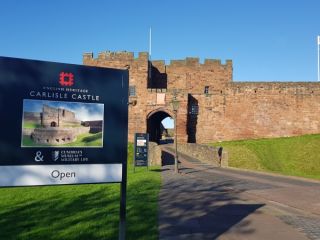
(56, 126)
(212, 106)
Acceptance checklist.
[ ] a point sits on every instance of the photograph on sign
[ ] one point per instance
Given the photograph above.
(141, 142)
(62, 124)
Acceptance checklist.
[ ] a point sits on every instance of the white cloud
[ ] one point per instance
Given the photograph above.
(85, 112)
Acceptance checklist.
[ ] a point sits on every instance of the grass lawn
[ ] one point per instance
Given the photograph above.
(82, 211)
(86, 139)
(296, 156)
(29, 124)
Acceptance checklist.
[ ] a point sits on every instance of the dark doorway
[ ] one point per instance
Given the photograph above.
(53, 124)
(155, 127)
(192, 118)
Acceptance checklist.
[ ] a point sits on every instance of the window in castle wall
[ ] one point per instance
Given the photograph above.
(206, 89)
(132, 91)
(194, 110)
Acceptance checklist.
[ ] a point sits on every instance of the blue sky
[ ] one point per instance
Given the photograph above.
(267, 40)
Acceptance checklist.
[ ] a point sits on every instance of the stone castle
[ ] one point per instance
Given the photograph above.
(58, 126)
(52, 117)
(212, 106)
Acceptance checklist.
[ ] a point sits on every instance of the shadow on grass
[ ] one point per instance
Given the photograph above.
(159, 170)
(78, 212)
(71, 215)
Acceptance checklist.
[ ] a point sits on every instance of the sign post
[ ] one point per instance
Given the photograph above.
(141, 150)
(63, 124)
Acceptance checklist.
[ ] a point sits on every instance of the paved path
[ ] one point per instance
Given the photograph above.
(204, 202)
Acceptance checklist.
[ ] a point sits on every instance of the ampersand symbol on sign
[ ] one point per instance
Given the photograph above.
(38, 157)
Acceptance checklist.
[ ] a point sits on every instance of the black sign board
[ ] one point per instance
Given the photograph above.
(141, 142)
(61, 123)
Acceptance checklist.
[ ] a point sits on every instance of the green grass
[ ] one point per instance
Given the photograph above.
(83, 140)
(27, 141)
(296, 156)
(87, 139)
(81, 211)
(29, 124)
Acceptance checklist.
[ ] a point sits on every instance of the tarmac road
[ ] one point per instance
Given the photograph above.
(205, 202)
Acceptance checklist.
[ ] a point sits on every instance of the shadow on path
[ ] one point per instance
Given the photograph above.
(196, 208)
(166, 158)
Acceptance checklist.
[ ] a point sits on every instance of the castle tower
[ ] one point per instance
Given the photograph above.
(152, 95)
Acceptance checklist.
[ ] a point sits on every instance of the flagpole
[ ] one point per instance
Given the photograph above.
(318, 58)
(150, 43)
(150, 55)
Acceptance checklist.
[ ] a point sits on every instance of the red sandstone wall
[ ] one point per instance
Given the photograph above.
(230, 110)
(191, 76)
(146, 98)
(138, 76)
(258, 110)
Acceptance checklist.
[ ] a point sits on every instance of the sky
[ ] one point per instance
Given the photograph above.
(268, 40)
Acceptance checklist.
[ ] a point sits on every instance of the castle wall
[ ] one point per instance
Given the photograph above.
(226, 111)
(49, 115)
(57, 136)
(67, 118)
(259, 110)
(185, 76)
(138, 77)
(192, 76)
(62, 117)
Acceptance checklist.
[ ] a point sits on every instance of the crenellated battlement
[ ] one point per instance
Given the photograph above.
(144, 56)
(116, 56)
(295, 88)
(187, 73)
(193, 62)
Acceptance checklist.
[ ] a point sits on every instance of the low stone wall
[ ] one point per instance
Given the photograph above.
(53, 135)
(154, 156)
(204, 153)
(80, 130)
(57, 135)
(77, 131)
(224, 159)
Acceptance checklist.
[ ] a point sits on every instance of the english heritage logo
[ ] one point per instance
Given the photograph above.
(66, 79)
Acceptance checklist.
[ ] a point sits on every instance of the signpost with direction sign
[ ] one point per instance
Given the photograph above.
(141, 143)
(63, 124)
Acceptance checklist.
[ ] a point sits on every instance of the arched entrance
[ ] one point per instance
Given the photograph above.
(53, 124)
(154, 126)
